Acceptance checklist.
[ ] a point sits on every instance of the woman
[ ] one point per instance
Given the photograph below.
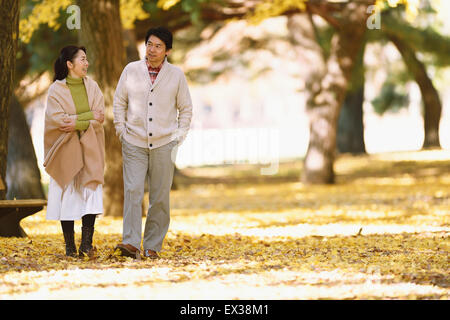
(74, 147)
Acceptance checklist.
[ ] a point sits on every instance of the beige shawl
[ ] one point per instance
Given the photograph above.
(67, 156)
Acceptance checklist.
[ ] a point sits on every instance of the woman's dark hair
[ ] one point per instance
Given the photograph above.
(66, 54)
(162, 33)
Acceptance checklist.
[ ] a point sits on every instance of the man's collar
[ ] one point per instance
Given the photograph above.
(157, 68)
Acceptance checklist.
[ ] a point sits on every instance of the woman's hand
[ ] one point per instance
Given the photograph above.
(68, 125)
(99, 116)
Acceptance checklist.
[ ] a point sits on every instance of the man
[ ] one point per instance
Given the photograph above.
(152, 114)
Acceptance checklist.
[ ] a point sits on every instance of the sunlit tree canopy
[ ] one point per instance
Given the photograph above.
(48, 11)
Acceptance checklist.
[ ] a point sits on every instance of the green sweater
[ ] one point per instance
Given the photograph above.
(80, 99)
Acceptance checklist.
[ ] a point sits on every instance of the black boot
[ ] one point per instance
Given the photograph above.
(69, 239)
(86, 248)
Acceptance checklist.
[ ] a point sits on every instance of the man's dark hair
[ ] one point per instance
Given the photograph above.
(162, 33)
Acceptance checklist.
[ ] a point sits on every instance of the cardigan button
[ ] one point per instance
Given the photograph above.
(150, 134)
(151, 145)
(149, 119)
(150, 104)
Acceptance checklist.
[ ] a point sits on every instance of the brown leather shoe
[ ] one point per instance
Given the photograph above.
(151, 254)
(128, 250)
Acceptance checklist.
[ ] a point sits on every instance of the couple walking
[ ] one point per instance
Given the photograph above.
(152, 114)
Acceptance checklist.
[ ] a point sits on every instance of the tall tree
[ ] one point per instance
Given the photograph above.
(328, 91)
(350, 131)
(101, 32)
(34, 59)
(22, 175)
(430, 96)
(408, 42)
(9, 32)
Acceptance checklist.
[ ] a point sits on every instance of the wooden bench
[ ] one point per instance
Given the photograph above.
(12, 211)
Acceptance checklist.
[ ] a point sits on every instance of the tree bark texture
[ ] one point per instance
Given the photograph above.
(350, 132)
(9, 32)
(101, 34)
(130, 45)
(430, 96)
(22, 174)
(328, 93)
(350, 136)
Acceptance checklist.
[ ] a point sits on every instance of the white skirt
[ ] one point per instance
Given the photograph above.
(70, 205)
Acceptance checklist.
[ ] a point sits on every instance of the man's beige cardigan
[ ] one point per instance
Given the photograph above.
(152, 115)
(68, 157)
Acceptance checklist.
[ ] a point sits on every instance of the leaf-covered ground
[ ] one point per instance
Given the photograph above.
(382, 232)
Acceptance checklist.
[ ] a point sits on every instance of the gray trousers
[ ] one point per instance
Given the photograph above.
(157, 165)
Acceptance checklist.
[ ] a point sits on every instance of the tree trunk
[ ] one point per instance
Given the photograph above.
(9, 32)
(130, 45)
(430, 96)
(22, 175)
(350, 136)
(101, 33)
(328, 94)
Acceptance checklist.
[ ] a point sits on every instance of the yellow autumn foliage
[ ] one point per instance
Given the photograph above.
(273, 8)
(412, 6)
(130, 11)
(48, 11)
(167, 4)
(44, 12)
(382, 232)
